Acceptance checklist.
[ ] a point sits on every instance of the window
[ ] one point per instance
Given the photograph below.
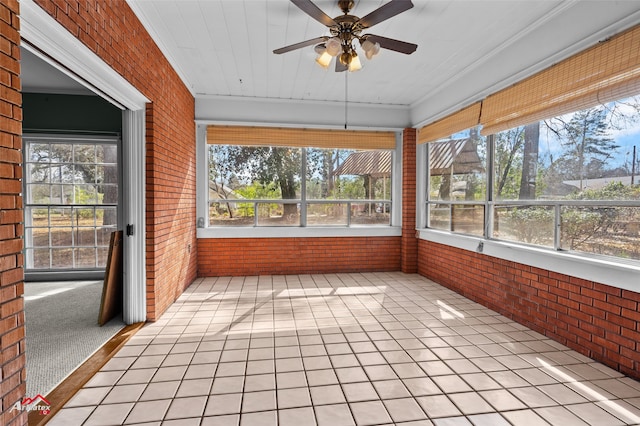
(71, 202)
(457, 183)
(262, 186)
(571, 182)
(567, 183)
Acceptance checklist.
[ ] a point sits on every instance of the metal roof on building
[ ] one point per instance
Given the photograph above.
(366, 163)
(459, 154)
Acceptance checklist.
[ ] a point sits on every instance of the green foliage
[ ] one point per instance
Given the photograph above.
(612, 191)
(531, 224)
(580, 224)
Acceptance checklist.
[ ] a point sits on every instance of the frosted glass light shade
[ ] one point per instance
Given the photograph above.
(324, 59)
(334, 47)
(355, 64)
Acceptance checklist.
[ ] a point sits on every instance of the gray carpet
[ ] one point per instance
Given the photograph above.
(62, 330)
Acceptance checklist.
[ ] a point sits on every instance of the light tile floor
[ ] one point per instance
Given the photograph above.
(347, 349)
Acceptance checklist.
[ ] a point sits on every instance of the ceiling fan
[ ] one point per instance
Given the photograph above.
(345, 29)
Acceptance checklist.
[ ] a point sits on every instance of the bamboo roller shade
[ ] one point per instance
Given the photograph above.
(317, 138)
(603, 73)
(600, 74)
(461, 120)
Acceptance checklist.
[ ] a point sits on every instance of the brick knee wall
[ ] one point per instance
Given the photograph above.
(112, 31)
(279, 256)
(597, 320)
(12, 346)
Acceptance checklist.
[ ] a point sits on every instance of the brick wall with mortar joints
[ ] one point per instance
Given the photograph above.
(276, 256)
(112, 31)
(12, 331)
(409, 240)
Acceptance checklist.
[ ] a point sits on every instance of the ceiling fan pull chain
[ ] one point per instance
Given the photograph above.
(346, 94)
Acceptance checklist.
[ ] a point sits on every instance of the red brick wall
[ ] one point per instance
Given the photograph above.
(113, 32)
(409, 240)
(597, 320)
(263, 256)
(12, 355)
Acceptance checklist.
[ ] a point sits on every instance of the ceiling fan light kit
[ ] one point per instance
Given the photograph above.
(346, 29)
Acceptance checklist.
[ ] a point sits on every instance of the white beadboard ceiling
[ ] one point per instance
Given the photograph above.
(467, 49)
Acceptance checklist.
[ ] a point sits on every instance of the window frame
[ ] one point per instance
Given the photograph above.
(202, 203)
(616, 272)
(72, 272)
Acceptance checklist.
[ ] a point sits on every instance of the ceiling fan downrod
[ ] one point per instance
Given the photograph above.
(346, 5)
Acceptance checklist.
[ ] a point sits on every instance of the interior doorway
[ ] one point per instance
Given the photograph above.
(79, 90)
(72, 203)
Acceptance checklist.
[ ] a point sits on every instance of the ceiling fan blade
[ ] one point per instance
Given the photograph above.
(340, 67)
(392, 44)
(384, 12)
(314, 11)
(301, 45)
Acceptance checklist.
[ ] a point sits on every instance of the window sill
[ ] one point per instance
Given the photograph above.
(297, 232)
(620, 274)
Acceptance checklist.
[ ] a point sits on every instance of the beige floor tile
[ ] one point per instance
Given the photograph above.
(438, 406)
(331, 394)
(391, 389)
(370, 413)
(502, 400)
(293, 379)
(264, 418)
(227, 385)
(334, 415)
(259, 401)
(404, 410)
(297, 417)
(351, 374)
(194, 387)
(110, 414)
(317, 362)
(186, 407)
(363, 391)
(88, 396)
(260, 382)
(559, 415)
(226, 420)
(422, 386)
(321, 377)
(71, 416)
(223, 404)
(471, 403)
(593, 414)
(294, 397)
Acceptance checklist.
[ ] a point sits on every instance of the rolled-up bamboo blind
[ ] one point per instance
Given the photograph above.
(458, 121)
(605, 72)
(317, 138)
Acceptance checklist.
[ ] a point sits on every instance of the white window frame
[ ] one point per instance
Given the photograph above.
(204, 231)
(69, 139)
(619, 273)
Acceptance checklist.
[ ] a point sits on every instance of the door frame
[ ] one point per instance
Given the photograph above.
(46, 38)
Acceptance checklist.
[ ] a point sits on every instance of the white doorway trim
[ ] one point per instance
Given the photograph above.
(50, 41)
(54, 44)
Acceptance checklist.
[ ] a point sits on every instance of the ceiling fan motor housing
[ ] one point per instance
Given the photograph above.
(346, 30)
